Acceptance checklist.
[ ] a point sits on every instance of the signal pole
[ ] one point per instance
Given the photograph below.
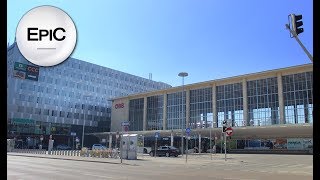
(297, 30)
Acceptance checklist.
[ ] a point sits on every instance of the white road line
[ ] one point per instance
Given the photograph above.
(105, 177)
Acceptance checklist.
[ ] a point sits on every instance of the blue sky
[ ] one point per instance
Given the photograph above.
(209, 39)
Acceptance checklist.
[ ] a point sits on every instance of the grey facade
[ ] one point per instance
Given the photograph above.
(66, 96)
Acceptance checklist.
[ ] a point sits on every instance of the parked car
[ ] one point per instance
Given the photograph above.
(98, 147)
(63, 147)
(165, 151)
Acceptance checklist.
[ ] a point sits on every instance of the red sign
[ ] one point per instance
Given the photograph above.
(119, 105)
(229, 131)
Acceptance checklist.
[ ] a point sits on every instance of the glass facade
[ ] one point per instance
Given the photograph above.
(136, 114)
(298, 98)
(175, 117)
(230, 104)
(155, 112)
(263, 103)
(69, 94)
(201, 108)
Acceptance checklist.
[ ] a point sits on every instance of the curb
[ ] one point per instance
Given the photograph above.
(97, 161)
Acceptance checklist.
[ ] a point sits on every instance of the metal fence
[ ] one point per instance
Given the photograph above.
(108, 153)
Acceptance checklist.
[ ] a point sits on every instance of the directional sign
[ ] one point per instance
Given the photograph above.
(156, 134)
(188, 131)
(125, 124)
(229, 131)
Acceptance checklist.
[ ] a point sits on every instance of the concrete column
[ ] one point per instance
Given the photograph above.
(164, 122)
(171, 142)
(214, 105)
(187, 108)
(144, 113)
(199, 143)
(295, 114)
(110, 141)
(280, 97)
(245, 103)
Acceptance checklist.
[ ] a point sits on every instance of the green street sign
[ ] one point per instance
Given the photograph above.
(20, 66)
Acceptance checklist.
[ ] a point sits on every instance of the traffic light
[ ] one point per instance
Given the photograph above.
(224, 125)
(297, 23)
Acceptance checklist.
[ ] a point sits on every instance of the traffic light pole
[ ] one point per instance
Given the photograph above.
(225, 146)
(298, 40)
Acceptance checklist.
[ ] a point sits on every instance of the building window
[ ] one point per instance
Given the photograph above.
(174, 110)
(201, 108)
(263, 103)
(155, 112)
(76, 115)
(136, 114)
(54, 113)
(61, 113)
(37, 111)
(20, 109)
(298, 98)
(46, 112)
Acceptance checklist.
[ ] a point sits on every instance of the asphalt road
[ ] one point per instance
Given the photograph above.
(237, 167)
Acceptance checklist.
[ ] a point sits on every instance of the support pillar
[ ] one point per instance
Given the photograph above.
(214, 106)
(199, 143)
(110, 141)
(164, 121)
(171, 142)
(246, 120)
(280, 96)
(144, 113)
(187, 108)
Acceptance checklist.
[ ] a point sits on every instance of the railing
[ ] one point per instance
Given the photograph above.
(31, 151)
(108, 153)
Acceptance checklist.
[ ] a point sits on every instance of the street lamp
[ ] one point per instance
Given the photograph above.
(182, 74)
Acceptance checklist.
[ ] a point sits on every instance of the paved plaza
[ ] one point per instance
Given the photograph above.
(237, 167)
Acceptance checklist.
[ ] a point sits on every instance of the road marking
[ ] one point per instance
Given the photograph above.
(108, 177)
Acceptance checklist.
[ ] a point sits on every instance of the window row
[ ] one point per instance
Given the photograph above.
(63, 114)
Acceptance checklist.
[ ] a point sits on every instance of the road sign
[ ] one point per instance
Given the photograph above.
(156, 134)
(188, 131)
(125, 123)
(229, 131)
(73, 134)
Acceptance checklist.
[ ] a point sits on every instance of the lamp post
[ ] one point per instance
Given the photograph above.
(183, 74)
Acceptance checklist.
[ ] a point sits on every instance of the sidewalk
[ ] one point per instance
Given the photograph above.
(73, 158)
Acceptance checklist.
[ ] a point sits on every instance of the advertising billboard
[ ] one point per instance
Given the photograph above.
(24, 71)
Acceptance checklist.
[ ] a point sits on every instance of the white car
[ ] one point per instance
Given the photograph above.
(98, 147)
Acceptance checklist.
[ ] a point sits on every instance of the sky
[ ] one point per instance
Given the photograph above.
(208, 39)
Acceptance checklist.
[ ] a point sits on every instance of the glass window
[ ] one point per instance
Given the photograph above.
(201, 108)
(136, 114)
(155, 112)
(298, 97)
